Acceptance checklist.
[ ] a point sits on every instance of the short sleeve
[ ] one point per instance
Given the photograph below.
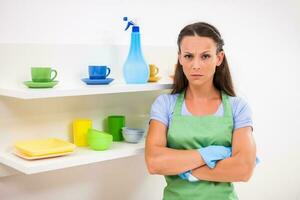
(242, 114)
(159, 110)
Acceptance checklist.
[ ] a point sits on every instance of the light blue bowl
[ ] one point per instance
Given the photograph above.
(133, 135)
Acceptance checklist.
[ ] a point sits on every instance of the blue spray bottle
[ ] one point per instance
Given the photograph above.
(135, 69)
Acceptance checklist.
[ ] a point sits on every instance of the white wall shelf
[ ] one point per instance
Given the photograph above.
(81, 156)
(21, 92)
(11, 164)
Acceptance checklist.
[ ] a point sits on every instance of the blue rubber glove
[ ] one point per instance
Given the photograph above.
(211, 154)
(188, 176)
(184, 175)
(257, 160)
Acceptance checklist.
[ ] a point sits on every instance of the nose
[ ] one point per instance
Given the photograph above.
(196, 64)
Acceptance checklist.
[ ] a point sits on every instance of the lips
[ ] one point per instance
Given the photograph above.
(196, 76)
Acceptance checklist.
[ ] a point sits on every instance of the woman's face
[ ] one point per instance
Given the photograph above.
(199, 58)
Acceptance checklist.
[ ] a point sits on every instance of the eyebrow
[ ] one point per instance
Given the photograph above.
(201, 53)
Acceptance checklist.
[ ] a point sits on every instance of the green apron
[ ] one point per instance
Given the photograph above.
(193, 132)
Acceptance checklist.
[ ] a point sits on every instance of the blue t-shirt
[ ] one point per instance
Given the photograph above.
(163, 106)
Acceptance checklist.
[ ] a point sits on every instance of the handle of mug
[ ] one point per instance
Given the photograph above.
(55, 74)
(108, 69)
(156, 70)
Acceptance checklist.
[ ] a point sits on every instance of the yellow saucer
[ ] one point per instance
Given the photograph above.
(24, 156)
(43, 147)
(154, 78)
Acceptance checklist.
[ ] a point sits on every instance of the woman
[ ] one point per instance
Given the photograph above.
(200, 135)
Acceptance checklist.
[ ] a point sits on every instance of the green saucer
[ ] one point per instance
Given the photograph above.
(32, 84)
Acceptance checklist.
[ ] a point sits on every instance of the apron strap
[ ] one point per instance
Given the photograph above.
(179, 103)
(226, 105)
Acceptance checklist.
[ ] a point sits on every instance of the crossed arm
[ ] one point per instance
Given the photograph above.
(166, 161)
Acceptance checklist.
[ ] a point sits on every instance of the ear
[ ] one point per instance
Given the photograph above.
(220, 57)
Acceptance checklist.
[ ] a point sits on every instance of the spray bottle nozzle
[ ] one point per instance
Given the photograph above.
(129, 23)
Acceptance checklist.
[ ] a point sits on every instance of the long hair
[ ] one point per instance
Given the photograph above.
(222, 79)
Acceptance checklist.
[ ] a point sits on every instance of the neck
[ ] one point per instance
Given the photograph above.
(203, 92)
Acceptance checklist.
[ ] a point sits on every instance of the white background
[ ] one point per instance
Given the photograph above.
(262, 45)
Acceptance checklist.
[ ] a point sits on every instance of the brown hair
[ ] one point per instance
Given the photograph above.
(222, 78)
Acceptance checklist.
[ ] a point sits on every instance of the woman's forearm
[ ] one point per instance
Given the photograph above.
(233, 169)
(167, 161)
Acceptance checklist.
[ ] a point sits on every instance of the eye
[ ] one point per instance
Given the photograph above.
(205, 56)
(188, 56)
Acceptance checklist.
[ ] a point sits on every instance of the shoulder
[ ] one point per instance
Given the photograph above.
(162, 107)
(238, 104)
(241, 111)
(166, 99)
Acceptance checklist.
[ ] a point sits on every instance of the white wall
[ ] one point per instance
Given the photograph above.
(262, 45)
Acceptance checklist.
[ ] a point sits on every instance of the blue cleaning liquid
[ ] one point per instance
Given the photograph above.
(135, 69)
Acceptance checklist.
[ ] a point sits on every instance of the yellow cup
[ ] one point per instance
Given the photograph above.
(153, 70)
(80, 129)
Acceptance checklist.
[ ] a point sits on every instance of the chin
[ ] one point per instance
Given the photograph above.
(196, 82)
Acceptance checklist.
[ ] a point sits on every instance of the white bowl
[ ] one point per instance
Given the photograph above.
(133, 135)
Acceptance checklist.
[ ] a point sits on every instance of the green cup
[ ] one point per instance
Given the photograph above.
(98, 140)
(115, 125)
(43, 74)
